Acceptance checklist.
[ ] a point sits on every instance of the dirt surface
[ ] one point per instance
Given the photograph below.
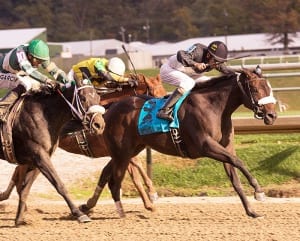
(175, 219)
(197, 218)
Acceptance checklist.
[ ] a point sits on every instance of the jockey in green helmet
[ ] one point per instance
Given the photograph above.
(25, 59)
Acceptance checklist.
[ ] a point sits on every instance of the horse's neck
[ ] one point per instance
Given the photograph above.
(125, 91)
(53, 108)
(221, 97)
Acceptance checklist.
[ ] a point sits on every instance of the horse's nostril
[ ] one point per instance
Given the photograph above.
(272, 115)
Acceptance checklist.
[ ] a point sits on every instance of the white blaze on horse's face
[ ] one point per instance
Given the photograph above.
(268, 99)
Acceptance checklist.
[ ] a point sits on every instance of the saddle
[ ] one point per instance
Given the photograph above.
(6, 131)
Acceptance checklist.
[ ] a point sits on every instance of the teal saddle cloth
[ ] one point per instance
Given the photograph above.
(148, 123)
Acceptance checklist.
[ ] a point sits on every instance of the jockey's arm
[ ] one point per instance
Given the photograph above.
(57, 73)
(32, 72)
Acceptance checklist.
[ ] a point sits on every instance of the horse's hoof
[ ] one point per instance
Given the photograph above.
(153, 196)
(260, 196)
(84, 219)
(84, 208)
(21, 223)
(122, 215)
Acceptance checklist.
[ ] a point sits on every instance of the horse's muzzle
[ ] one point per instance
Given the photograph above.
(97, 124)
(270, 117)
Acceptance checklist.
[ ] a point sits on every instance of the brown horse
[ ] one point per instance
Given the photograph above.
(36, 129)
(75, 140)
(205, 129)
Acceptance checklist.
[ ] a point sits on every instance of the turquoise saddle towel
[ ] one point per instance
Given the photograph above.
(148, 123)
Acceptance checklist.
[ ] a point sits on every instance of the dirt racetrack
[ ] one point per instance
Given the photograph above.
(197, 218)
(175, 219)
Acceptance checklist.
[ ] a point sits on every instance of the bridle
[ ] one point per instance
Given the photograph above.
(256, 104)
(79, 112)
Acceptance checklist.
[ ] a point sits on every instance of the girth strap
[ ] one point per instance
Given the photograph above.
(83, 143)
(178, 142)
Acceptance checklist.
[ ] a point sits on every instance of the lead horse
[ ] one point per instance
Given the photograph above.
(36, 129)
(205, 129)
(75, 140)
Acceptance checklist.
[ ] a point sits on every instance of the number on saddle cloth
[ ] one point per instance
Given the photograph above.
(148, 123)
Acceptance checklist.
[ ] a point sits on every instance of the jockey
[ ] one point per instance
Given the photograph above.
(187, 67)
(99, 70)
(24, 60)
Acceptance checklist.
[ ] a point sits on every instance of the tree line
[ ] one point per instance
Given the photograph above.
(153, 20)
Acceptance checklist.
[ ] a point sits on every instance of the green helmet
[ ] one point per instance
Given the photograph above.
(39, 49)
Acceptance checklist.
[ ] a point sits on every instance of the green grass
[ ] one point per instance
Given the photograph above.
(272, 159)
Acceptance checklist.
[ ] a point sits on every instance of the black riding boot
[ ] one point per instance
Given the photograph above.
(166, 111)
(8, 100)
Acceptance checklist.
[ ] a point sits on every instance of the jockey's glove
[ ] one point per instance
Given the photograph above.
(132, 82)
(52, 84)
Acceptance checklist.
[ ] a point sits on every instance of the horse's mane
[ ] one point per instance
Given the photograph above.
(213, 82)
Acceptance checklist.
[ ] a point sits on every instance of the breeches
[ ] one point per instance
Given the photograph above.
(175, 77)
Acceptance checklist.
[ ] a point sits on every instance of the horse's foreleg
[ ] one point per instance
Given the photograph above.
(217, 152)
(147, 181)
(236, 183)
(48, 170)
(114, 183)
(133, 171)
(27, 176)
(103, 179)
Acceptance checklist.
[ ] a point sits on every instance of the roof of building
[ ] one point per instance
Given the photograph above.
(10, 38)
(249, 42)
(92, 47)
(234, 43)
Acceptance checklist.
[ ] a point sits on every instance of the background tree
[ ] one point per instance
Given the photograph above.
(280, 19)
(153, 20)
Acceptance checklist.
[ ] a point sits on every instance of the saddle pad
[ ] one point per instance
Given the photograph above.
(148, 123)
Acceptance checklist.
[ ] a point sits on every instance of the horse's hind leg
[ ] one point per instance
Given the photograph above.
(103, 179)
(148, 182)
(16, 180)
(23, 189)
(134, 169)
(236, 183)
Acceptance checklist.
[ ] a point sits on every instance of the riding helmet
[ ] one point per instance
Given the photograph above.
(116, 66)
(39, 49)
(218, 50)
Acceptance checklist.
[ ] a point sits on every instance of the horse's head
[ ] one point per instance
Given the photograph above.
(259, 95)
(88, 109)
(152, 84)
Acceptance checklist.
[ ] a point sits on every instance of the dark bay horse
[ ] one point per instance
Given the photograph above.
(36, 129)
(205, 129)
(94, 145)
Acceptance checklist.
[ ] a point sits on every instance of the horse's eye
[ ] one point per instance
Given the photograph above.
(255, 90)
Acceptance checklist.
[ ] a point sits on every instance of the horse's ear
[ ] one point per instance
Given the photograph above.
(258, 71)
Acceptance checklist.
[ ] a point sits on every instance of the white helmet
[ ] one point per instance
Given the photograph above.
(116, 66)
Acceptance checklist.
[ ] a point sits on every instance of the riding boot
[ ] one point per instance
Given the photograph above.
(8, 100)
(166, 111)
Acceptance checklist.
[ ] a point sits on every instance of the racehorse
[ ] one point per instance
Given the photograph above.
(75, 140)
(205, 129)
(36, 128)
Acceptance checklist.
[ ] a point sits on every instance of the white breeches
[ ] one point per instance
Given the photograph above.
(10, 81)
(180, 79)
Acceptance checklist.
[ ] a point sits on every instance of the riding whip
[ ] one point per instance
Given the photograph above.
(127, 55)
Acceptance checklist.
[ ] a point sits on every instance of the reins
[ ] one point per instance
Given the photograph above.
(77, 108)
